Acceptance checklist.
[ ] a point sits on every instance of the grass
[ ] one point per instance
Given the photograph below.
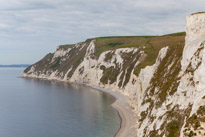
(109, 75)
(110, 43)
(66, 46)
(195, 119)
(55, 64)
(111, 37)
(176, 34)
(173, 128)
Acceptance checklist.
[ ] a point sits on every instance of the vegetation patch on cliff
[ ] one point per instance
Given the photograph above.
(193, 125)
(164, 83)
(41, 65)
(110, 43)
(66, 46)
(76, 56)
(166, 78)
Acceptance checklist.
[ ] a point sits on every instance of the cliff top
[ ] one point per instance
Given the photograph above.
(198, 13)
(121, 41)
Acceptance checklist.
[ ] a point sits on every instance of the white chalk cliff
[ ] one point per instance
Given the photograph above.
(168, 95)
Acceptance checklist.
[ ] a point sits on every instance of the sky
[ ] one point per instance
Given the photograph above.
(29, 29)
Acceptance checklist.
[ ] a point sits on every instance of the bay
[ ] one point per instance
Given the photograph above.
(39, 108)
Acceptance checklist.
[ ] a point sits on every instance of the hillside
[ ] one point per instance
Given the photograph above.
(162, 75)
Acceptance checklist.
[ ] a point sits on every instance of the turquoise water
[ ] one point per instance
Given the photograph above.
(37, 108)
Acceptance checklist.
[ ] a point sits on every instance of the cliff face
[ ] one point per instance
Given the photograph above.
(163, 76)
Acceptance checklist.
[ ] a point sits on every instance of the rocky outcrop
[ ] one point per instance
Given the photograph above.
(192, 76)
(163, 76)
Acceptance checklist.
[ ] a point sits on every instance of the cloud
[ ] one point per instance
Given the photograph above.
(41, 25)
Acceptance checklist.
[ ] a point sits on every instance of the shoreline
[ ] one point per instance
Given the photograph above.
(127, 116)
(128, 125)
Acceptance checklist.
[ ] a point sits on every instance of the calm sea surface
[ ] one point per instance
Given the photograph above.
(36, 108)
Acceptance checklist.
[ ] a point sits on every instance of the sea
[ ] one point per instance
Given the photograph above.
(40, 108)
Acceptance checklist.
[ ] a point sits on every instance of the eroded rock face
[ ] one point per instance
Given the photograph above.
(193, 78)
(177, 108)
(168, 96)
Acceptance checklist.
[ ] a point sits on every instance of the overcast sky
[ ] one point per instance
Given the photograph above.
(29, 29)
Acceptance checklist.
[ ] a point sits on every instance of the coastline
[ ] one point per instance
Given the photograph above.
(128, 126)
(128, 117)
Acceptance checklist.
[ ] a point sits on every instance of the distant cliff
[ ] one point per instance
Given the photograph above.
(163, 75)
